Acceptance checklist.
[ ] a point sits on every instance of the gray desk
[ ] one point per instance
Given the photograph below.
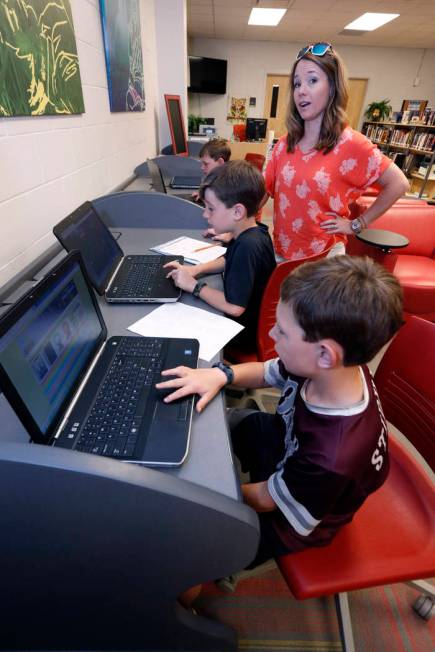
(94, 552)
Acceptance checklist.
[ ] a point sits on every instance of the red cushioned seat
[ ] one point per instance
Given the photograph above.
(413, 265)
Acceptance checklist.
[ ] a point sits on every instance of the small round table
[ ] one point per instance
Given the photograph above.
(385, 240)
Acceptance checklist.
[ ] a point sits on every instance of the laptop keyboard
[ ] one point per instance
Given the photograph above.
(138, 278)
(113, 425)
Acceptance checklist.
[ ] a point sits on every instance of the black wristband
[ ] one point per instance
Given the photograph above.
(198, 287)
(229, 373)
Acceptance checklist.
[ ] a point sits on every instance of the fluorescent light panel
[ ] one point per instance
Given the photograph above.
(269, 17)
(370, 21)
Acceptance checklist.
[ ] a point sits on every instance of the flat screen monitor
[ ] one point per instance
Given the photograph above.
(208, 75)
(176, 125)
(256, 128)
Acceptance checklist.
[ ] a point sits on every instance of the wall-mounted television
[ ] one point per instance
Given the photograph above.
(207, 75)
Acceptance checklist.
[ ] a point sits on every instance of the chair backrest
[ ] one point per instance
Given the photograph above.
(239, 131)
(265, 344)
(405, 380)
(152, 209)
(255, 159)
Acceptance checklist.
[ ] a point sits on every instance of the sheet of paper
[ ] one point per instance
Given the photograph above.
(194, 251)
(179, 320)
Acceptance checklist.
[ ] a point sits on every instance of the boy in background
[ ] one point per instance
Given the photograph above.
(231, 193)
(314, 462)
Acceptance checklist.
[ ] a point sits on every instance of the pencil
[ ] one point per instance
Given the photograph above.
(202, 248)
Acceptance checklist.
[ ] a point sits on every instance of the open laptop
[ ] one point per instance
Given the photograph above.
(186, 183)
(159, 184)
(71, 387)
(121, 279)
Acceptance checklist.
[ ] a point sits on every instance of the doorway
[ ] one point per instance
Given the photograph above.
(357, 93)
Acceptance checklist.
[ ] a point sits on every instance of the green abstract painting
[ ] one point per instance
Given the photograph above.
(39, 68)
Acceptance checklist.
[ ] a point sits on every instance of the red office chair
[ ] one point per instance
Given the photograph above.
(255, 159)
(265, 345)
(392, 537)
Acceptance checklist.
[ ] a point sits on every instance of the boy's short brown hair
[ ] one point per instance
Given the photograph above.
(352, 300)
(236, 182)
(216, 148)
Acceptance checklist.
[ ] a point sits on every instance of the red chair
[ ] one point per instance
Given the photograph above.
(255, 159)
(414, 265)
(392, 537)
(266, 320)
(239, 131)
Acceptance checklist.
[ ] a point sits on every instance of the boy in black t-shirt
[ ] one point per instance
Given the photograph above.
(314, 462)
(232, 193)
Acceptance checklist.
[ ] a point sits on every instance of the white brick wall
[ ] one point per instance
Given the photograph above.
(49, 165)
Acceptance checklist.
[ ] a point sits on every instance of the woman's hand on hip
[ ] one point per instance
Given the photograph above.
(336, 224)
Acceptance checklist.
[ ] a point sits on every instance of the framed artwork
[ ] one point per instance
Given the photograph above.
(123, 51)
(39, 66)
(237, 109)
(176, 125)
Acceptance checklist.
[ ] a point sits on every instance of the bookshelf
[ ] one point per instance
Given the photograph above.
(412, 147)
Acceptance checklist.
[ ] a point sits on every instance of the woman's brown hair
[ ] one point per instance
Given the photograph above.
(334, 118)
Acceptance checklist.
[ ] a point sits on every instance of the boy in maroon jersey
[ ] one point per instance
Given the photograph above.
(314, 462)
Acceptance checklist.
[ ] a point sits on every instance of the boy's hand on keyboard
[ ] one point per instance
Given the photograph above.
(181, 275)
(204, 382)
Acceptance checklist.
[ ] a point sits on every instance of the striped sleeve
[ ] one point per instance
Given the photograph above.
(305, 492)
(296, 514)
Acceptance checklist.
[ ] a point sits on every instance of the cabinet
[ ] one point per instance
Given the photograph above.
(411, 147)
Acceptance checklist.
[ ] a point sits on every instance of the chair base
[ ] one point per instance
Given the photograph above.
(344, 621)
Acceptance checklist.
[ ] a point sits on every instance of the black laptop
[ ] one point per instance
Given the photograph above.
(185, 183)
(121, 279)
(71, 387)
(159, 184)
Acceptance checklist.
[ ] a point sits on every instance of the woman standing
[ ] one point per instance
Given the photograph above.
(322, 164)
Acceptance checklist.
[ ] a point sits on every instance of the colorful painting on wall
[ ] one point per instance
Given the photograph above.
(237, 109)
(39, 67)
(123, 49)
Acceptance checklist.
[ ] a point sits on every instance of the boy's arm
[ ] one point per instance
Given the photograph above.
(257, 496)
(208, 382)
(216, 299)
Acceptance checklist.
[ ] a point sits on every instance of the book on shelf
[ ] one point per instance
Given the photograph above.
(194, 251)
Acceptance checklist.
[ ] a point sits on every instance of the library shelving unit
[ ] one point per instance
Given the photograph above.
(412, 147)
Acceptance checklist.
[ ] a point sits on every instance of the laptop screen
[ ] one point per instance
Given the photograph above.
(156, 177)
(83, 230)
(46, 348)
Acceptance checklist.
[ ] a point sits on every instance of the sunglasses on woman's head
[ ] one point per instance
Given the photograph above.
(318, 49)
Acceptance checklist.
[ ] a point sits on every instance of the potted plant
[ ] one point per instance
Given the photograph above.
(193, 122)
(377, 111)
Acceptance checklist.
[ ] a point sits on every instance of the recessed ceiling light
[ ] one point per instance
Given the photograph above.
(270, 17)
(370, 21)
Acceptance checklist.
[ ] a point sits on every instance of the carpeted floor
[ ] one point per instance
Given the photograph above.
(268, 619)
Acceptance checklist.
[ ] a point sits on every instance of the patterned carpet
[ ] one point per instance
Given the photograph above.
(268, 619)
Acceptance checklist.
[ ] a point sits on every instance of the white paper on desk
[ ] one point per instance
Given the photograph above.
(179, 320)
(194, 251)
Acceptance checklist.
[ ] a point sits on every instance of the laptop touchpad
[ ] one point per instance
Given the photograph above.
(170, 411)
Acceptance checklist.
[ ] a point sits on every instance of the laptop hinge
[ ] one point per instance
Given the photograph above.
(114, 274)
(79, 391)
